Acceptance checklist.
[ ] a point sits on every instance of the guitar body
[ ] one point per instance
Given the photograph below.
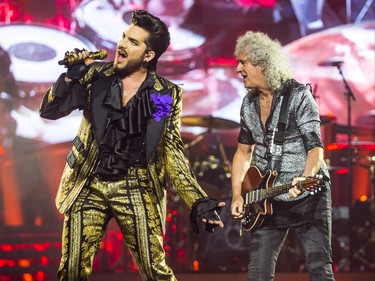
(259, 189)
(255, 212)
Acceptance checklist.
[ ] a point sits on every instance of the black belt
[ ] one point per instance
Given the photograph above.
(132, 171)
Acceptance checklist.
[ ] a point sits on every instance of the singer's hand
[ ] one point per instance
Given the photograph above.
(78, 70)
(81, 55)
(213, 218)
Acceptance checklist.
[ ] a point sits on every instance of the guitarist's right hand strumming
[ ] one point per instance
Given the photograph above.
(237, 207)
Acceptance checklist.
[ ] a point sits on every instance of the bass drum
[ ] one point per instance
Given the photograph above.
(34, 51)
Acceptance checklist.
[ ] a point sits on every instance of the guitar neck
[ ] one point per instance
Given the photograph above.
(275, 191)
(265, 193)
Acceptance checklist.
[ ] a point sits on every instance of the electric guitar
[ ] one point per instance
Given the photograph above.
(258, 191)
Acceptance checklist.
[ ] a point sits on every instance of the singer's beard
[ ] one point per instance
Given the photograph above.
(132, 66)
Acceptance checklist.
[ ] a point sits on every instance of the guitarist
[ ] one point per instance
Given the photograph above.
(268, 78)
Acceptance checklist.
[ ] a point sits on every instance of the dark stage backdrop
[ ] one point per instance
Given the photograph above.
(34, 36)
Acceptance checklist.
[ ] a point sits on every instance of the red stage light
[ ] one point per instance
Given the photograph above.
(5, 278)
(40, 276)
(342, 171)
(109, 246)
(7, 263)
(24, 263)
(60, 21)
(221, 61)
(27, 277)
(44, 261)
(169, 217)
(6, 248)
(12, 13)
(196, 265)
(38, 221)
(39, 247)
(181, 253)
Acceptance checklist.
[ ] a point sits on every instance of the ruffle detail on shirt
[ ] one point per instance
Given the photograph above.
(123, 139)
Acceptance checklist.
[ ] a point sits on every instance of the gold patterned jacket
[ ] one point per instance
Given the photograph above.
(164, 146)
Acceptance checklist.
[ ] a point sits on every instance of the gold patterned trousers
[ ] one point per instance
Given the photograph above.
(131, 202)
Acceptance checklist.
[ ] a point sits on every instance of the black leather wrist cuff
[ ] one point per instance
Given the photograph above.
(205, 208)
(77, 71)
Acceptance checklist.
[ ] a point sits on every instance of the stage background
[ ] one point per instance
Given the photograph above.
(34, 36)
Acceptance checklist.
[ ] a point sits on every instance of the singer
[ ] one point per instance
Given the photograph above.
(128, 141)
(277, 103)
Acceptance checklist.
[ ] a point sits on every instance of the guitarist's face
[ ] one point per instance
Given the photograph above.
(252, 75)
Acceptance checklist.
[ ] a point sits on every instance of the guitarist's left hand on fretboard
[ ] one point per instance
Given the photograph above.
(296, 189)
(299, 187)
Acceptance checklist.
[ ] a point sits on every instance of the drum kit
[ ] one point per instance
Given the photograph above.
(207, 153)
(362, 213)
(362, 156)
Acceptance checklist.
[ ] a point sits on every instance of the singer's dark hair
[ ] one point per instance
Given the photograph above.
(159, 37)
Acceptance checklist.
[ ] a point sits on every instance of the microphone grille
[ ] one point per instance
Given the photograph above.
(103, 54)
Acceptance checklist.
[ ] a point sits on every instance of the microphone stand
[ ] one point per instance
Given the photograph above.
(349, 96)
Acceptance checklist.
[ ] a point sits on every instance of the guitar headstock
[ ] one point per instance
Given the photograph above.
(312, 184)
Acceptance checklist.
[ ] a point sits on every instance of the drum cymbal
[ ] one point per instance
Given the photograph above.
(370, 145)
(209, 122)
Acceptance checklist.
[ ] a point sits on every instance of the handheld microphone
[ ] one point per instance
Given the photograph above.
(70, 60)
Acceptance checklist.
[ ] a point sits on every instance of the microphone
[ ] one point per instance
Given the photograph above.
(335, 61)
(70, 60)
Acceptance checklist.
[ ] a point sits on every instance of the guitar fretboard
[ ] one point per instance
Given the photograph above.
(265, 193)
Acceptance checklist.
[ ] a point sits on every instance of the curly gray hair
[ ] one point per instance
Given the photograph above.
(268, 53)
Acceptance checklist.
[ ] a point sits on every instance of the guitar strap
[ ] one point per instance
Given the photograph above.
(279, 133)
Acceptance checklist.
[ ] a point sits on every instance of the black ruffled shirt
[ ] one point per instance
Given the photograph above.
(123, 144)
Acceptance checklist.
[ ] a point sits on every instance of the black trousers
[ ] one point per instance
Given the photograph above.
(311, 217)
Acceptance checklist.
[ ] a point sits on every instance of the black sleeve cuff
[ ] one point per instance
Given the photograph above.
(61, 87)
(71, 95)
